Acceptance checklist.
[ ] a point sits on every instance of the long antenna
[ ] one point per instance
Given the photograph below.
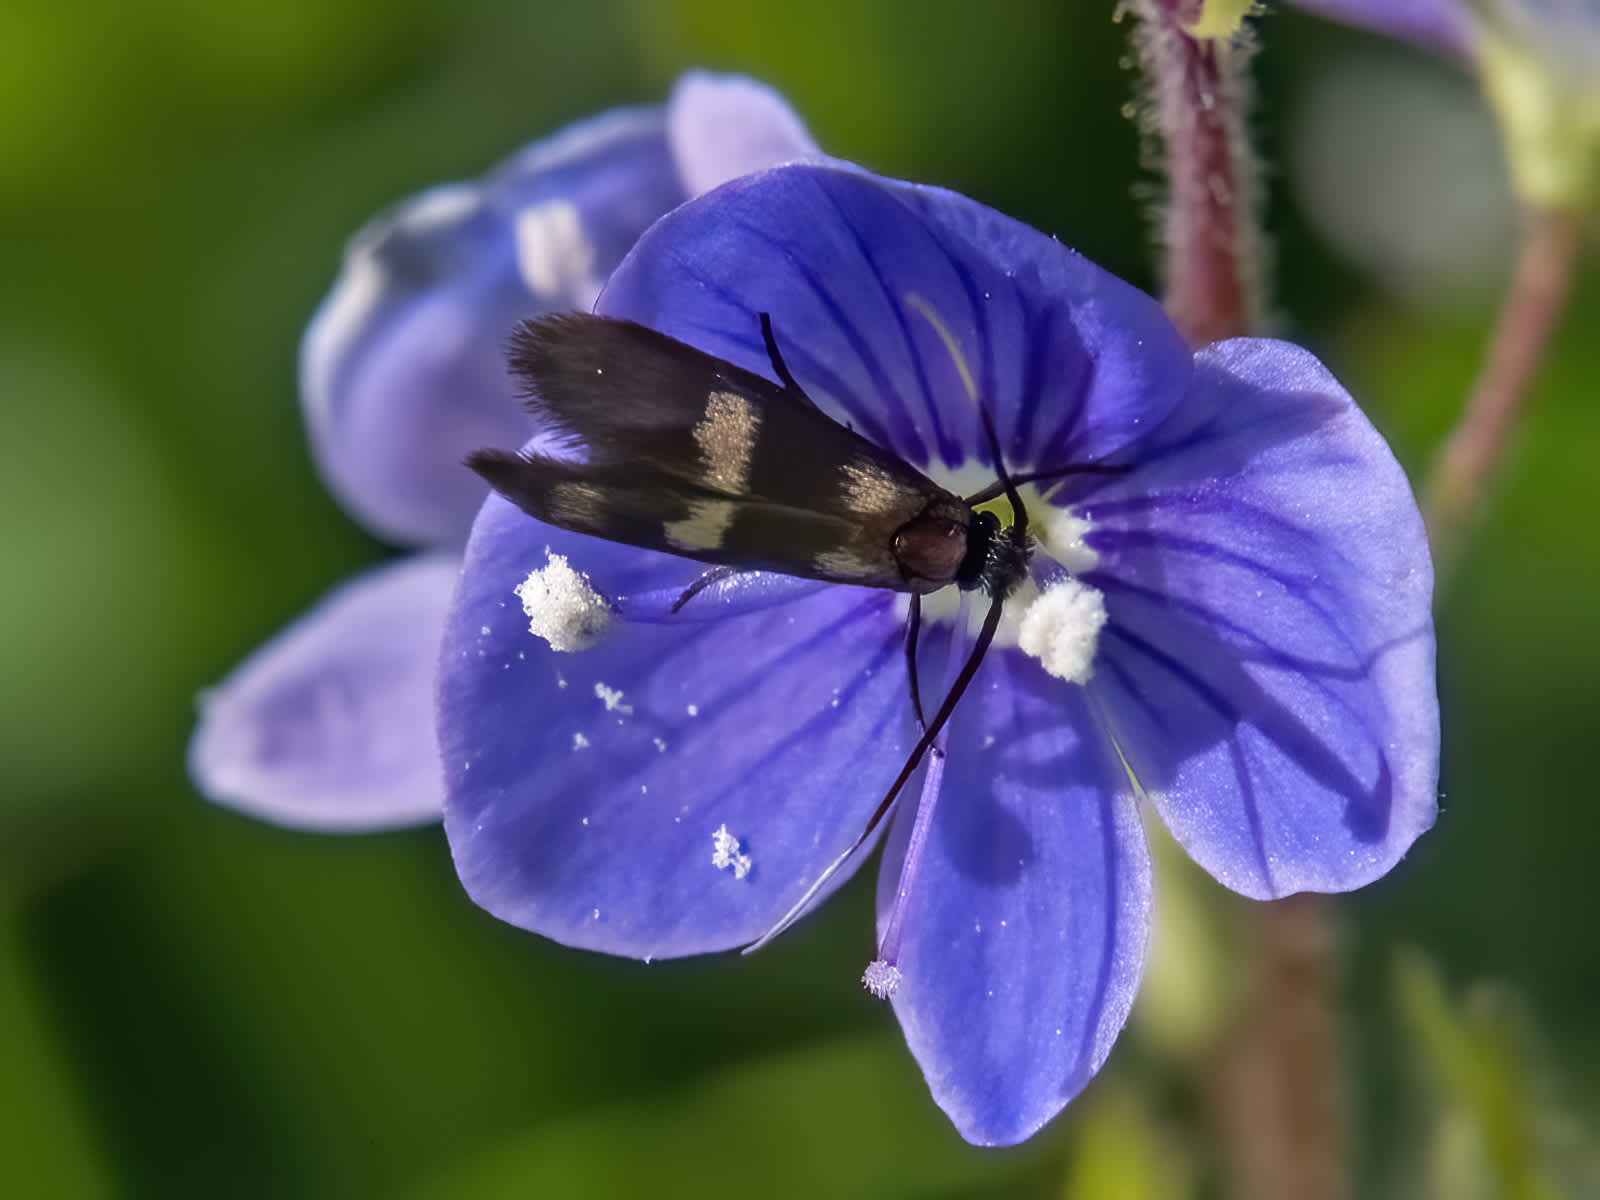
(1016, 533)
(968, 669)
(913, 625)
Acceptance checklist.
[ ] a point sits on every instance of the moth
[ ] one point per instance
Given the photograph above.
(683, 452)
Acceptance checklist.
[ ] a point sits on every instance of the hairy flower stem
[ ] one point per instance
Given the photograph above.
(1533, 304)
(1194, 116)
(1279, 1096)
(1278, 1105)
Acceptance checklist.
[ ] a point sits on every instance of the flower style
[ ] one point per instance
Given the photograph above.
(1231, 627)
(330, 725)
(1539, 65)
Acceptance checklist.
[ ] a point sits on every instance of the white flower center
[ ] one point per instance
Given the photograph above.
(1058, 534)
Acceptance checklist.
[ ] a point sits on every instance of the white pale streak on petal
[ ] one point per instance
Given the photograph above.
(555, 257)
(562, 606)
(361, 284)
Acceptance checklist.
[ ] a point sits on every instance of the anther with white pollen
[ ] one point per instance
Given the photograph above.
(562, 606)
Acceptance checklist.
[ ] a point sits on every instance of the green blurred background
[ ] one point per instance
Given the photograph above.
(193, 1004)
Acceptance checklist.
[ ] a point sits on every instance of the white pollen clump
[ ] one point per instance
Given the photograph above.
(725, 853)
(880, 978)
(562, 606)
(1062, 629)
(612, 698)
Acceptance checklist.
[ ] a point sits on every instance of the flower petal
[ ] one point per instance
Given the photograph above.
(1025, 935)
(402, 370)
(724, 126)
(866, 278)
(1443, 25)
(329, 726)
(1268, 667)
(585, 790)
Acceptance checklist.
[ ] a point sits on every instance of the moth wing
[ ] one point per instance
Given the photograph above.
(627, 394)
(640, 506)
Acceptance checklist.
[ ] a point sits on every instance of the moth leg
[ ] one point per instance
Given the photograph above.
(913, 624)
(777, 359)
(714, 575)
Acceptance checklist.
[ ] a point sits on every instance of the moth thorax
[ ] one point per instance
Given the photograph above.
(1005, 559)
(932, 547)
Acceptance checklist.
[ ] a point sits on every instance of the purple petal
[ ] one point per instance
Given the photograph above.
(862, 277)
(1025, 932)
(584, 790)
(724, 126)
(329, 726)
(1447, 26)
(1268, 667)
(402, 370)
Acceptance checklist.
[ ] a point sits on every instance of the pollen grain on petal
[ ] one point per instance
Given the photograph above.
(725, 853)
(612, 698)
(562, 606)
(1062, 629)
(881, 978)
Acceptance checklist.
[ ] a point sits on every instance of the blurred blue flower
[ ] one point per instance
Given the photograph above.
(402, 371)
(1235, 631)
(1538, 62)
(1443, 25)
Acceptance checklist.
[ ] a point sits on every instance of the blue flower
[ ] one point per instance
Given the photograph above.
(1443, 25)
(330, 725)
(1232, 630)
(1538, 62)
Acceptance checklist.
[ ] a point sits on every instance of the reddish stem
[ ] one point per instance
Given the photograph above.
(1210, 225)
(1279, 1093)
(1277, 1102)
(1540, 283)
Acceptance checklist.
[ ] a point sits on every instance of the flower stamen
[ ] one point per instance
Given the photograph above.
(1062, 629)
(562, 606)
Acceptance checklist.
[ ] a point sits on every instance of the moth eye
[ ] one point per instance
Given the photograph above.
(931, 548)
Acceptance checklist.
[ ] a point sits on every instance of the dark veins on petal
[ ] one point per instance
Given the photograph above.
(888, 652)
(1229, 693)
(909, 445)
(895, 303)
(797, 356)
(987, 385)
